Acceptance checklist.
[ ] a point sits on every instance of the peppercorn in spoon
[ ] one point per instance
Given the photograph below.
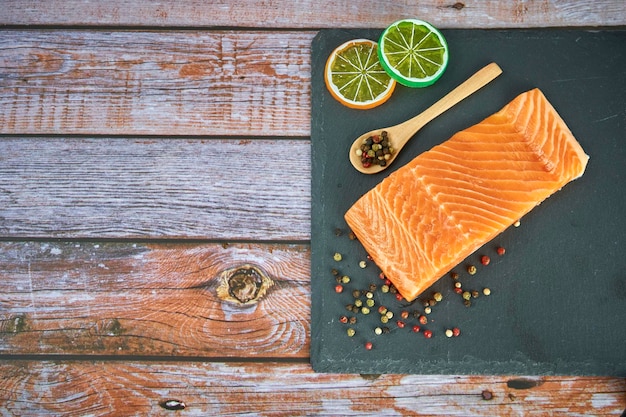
(385, 144)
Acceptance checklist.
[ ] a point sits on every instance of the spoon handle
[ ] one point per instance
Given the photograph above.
(481, 78)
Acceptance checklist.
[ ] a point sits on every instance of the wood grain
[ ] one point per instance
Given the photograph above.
(149, 82)
(314, 14)
(278, 389)
(106, 298)
(155, 188)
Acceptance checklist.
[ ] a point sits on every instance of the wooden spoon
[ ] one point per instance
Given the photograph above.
(401, 133)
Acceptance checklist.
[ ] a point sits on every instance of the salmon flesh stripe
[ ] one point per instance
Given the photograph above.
(428, 216)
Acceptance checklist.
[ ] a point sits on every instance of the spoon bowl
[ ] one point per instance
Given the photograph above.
(401, 133)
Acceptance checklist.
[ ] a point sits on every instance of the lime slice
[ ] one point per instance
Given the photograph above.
(413, 52)
(354, 76)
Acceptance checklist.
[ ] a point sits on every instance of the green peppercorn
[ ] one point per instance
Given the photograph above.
(370, 302)
(351, 332)
(358, 302)
(467, 295)
(365, 310)
(471, 269)
(337, 256)
(345, 279)
(438, 296)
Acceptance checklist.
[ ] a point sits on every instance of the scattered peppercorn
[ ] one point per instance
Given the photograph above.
(501, 251)
(404, 314)
(400, 324)
(471, 269)
(352, 320)
(485, 260)
(369, 345)
(475, 294)
(467, 295)
(378, 331)
(449, 333)
(362, 264)
(337, 256)
(343, 319)
(423, 319)
(351, 332)
(486, 291)
(454, 275)
(438, 296)
(365, 310)
(345, 279)
(416, 329)
(338, 288)
(456, 331)
(428, 310)
(517, 223)
(338, 231)
(428, 334)
(399, 297)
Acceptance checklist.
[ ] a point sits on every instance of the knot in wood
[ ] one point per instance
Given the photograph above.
(245, 284)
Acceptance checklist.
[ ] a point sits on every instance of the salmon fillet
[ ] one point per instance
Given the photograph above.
(428, 216)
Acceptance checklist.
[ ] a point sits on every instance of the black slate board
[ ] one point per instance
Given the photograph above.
(558, 302)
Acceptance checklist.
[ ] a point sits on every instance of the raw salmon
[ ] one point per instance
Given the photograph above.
(428, 216)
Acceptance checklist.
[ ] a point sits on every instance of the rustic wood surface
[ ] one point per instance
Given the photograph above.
(154, 173)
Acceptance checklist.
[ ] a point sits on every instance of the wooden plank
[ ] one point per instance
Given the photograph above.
(140, 299)
(314, 14)
(279, 389)
(220, 189)
(166, 83)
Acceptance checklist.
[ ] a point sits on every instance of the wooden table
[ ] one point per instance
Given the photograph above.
(152, 151)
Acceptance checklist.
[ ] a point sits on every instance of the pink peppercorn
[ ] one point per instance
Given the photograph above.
(485, 260)
(399, 297)
(416, 328)
(428, 334)
(369, 345)
(456, 331)
(400, 324)
(338, 288)
(501, 251)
